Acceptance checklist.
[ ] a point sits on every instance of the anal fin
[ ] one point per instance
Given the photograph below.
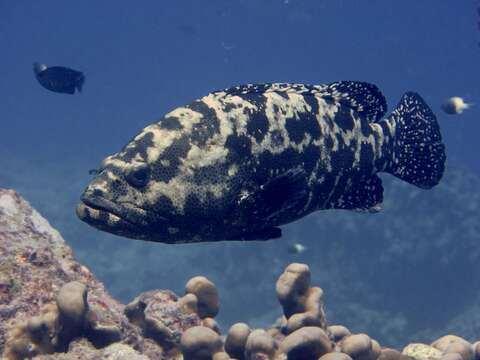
(364, 195)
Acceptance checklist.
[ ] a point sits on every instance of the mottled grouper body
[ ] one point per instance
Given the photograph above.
(238, 163)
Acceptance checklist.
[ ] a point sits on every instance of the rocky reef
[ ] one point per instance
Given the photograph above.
(49, 303)
(53, 307)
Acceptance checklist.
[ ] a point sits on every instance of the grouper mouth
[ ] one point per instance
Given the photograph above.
(124, 219)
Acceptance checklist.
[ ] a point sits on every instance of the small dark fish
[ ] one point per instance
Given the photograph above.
(93, 172)
(58, 78)
(238, 163)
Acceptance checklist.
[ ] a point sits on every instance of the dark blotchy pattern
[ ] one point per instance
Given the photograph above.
(207, 128)
(343, 158)
(239, 146)
(172, 155)
(258, 125)
(144, 143)
(170, 123)
(164, 205)
(237, 163)
(344, 119)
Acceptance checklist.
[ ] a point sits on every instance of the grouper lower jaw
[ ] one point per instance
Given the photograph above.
(119, 219)
(126, 220)
(105, 221)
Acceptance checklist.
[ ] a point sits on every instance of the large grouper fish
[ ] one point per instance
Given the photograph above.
(238, 163)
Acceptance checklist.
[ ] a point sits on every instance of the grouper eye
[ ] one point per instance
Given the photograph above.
(138, 175)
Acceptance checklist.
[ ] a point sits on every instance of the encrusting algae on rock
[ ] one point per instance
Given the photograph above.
(53, 308)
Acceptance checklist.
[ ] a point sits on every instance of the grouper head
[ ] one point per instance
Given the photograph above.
(115, 201)
(124, 198)
(148, 191)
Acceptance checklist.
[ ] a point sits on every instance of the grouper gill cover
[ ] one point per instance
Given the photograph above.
(238, 163)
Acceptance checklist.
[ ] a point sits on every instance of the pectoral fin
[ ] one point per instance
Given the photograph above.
(270, 201)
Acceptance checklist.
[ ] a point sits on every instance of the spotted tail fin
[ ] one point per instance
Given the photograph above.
(418, 155)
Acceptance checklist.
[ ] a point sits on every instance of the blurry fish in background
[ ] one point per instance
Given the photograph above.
(226, 46)
(455, 105)
(58, 78)
(93, 172)
(296, 248)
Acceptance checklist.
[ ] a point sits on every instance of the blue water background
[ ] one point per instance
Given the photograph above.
(142, 59)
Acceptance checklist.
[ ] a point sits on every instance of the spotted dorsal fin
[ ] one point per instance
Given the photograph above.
(274, 87)
(363, 97)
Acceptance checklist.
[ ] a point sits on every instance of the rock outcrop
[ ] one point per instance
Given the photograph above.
(51, 304)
